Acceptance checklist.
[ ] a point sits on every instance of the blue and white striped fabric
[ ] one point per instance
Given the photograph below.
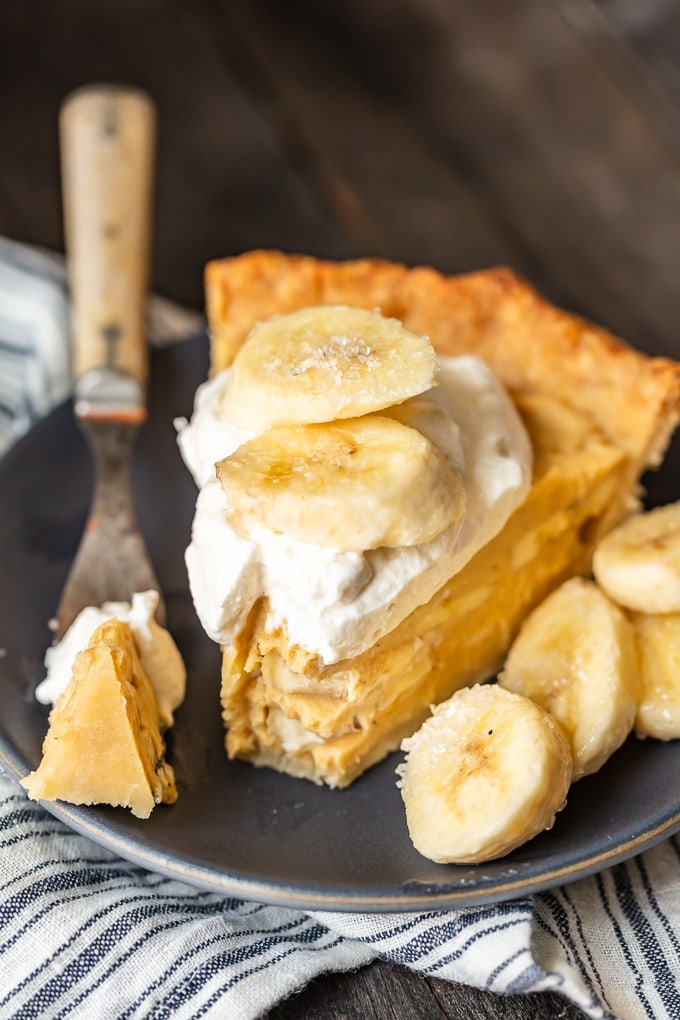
(85, 934)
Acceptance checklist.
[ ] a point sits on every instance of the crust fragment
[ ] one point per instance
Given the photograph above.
(104, 744)
(598, 412)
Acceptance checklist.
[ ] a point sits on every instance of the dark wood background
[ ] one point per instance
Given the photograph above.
(543, 134)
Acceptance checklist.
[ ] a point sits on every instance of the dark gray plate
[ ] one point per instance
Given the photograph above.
(235, 829)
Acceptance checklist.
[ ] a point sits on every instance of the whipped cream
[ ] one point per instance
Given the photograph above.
(336, 603)
(158, 652)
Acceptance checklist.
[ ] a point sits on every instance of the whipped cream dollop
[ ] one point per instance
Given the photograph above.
(337, 603)
(158, 652)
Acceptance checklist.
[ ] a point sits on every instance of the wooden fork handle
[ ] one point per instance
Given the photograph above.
(107, 146)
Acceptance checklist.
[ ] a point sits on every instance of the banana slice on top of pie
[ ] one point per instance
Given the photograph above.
(407, 464)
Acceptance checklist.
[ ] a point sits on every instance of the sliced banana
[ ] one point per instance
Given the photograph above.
(575, 656)
(638, 564)
(354, 484)
(658, 642)
(324, 363)
(486, 772)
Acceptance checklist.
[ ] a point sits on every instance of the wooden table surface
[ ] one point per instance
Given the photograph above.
(542, 134)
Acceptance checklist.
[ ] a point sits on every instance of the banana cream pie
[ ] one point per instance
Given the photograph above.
(104, 743)
(530, 430)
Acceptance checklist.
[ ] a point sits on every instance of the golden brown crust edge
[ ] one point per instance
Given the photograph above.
(531, 345)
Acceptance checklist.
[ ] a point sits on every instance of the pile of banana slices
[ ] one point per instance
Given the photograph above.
(323, 467)
(598, 658)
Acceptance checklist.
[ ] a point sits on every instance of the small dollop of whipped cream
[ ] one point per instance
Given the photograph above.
(336, 603)
(158, 652)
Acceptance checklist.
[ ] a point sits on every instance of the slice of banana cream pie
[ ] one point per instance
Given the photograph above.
(407, 464)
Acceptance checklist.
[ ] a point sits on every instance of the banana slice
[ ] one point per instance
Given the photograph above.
(486, 772)
(638, 564)
(575, 656)
(324, 363)
(355, 484)
(658, 642)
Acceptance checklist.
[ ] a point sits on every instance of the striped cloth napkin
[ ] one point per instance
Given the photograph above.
(86, 934)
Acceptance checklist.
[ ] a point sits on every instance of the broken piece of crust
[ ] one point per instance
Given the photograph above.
(598, 413)
(104, 745)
